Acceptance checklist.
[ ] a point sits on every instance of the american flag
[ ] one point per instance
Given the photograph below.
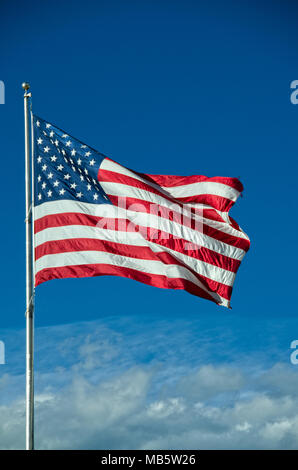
(93, 216)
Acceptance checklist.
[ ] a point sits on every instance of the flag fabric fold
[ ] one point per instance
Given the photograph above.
(93, 216)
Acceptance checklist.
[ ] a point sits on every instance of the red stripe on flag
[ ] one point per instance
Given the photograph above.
(162, 211)
(66, 218)
(218, 202)
(92, 270)
(83, 244)
(172, 181)
(163, 239)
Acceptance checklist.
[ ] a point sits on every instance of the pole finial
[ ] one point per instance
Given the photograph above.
(25, 86)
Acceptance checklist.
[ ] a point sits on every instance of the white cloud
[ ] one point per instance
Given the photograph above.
(118, 413)
(164, 408)
(95, 390)
(244, 427)
(210, 381)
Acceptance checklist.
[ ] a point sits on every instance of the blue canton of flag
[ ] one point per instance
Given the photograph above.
(64, 167)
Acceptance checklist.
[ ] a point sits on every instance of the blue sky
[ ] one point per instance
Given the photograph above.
(161, 87)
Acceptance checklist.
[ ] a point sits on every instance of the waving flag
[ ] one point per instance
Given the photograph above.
(93, 216)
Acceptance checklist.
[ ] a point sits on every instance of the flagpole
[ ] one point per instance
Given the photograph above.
(29, 281)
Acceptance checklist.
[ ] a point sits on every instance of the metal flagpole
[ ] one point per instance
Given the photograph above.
(29, 281)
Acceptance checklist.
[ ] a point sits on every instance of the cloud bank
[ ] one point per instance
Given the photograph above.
(93, 393)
